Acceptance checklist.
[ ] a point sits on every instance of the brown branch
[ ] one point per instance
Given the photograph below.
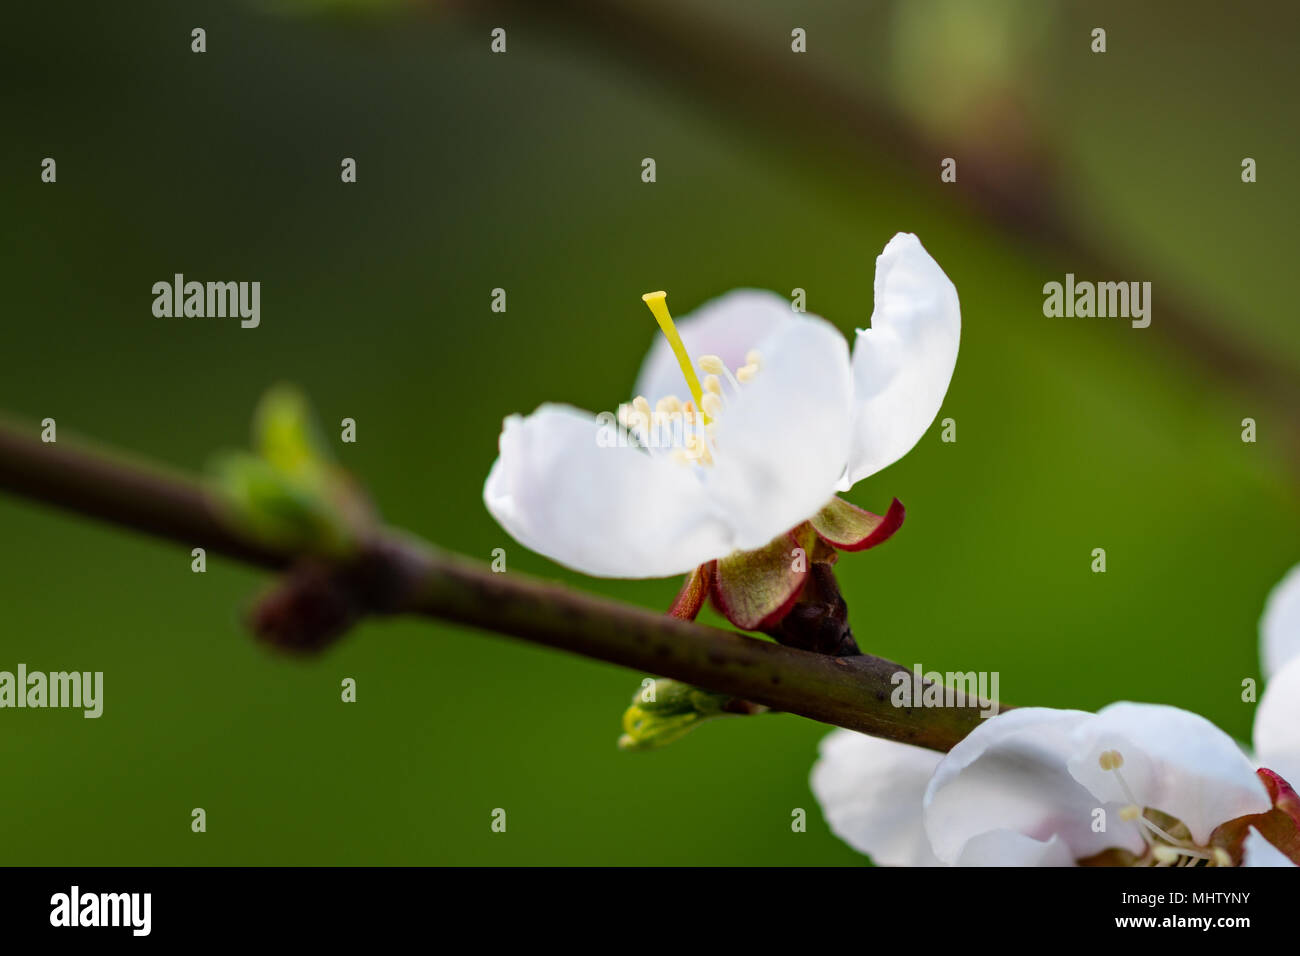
(396, 573)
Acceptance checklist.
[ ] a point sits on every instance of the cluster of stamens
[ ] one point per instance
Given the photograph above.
(1169, 842)
(687, 429)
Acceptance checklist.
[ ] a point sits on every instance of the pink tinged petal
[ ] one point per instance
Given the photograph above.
(782, 443)
(755, 589)
(1175, 761)
(1277, 723)
(606, 511)
(849, 528)
(1010, 773)
(1279, 627)
(1259, 852)
(870, 792)
(728, 327)
(902, 365)
(1012, 848)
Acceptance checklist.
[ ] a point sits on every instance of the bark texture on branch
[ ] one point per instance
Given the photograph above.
(398, 574)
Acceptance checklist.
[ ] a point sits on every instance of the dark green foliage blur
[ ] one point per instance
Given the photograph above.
(522, 171)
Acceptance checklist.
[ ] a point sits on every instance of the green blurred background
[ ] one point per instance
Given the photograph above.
(523, 171)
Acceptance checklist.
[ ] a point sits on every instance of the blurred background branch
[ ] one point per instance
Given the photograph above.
(1009, 172)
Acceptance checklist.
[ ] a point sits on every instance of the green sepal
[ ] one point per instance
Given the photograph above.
(274, 509)
(675, 710)
(290, 493)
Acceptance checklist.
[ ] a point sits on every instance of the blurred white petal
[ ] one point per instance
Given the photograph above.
(1279, 627)
(1277, 724)
(870, 793)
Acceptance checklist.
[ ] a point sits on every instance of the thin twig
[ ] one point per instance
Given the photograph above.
(397, 573)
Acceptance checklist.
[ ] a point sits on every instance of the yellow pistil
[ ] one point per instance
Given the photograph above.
(657, 301)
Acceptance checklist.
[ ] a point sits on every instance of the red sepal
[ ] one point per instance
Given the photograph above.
(850, 528)
(755, 589)
(694, 590)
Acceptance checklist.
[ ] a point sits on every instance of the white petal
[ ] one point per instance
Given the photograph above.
(870, 792)
(1011, 848)
(783, 443)
(1279, 628)
(728, 327)
(1259, 852)
(606, 511)
(1277, 724)
(1010, 774)
(902, 365)
(1174, 761)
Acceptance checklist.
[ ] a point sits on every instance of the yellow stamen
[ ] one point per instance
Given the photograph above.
(1165, 855)
(657, 302)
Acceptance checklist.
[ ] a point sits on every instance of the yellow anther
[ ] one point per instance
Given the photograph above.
(1131, 812)
(641, 405)
(629, 417)
(1166, 854)
(668, 404)
(712, 405)
(712, 384)
(1111, 760)
(746, 372)
(752, 357)
(711, 364)
(658, 305)
(1221, 857)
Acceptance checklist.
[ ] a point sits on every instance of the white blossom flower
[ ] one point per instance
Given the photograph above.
(1142, 784)
(782, 419)
(1277, 719)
